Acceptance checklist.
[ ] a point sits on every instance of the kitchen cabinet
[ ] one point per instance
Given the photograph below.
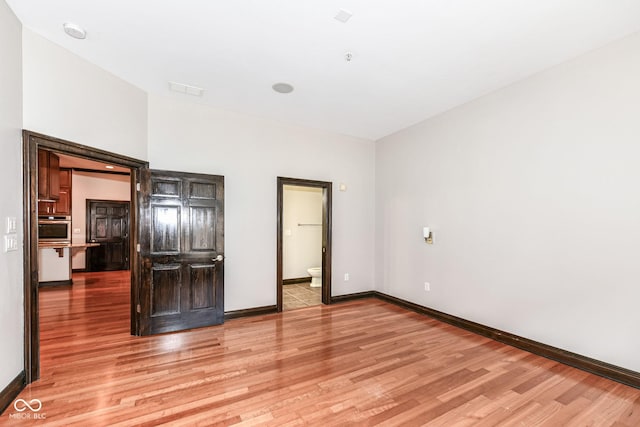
(54, 266)
(54, 262)
(63, 205)
(48, 176)
(48, 181)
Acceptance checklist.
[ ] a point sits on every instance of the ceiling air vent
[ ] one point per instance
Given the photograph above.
(186, 89)
(343, 16)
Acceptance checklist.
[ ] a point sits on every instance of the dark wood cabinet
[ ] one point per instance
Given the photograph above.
(63, 205)
(48, 181)
(65, 177)
(43, 174)
(54, 176)
(48, 176)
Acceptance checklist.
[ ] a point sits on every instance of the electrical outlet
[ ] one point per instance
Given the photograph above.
(427, 286)
(346, 277)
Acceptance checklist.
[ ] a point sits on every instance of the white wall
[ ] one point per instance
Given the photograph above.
(70, 98)
(532, 194)
(301, 244)
(98, 186)
(11, 284)
(251, 153)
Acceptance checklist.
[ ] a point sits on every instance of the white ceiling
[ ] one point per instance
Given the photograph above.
(412, 59)
(67, 161)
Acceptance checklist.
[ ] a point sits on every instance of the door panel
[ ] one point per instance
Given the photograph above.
(182, 219)
(165, 229)
(108, 224)
(202, 295)
(203, 226)
(165, 292)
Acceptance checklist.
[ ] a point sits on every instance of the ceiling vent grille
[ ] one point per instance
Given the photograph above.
(186, 89)
(343, 16)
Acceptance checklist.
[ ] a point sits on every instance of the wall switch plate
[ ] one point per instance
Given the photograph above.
(427, 286)
(346, 277)
(77, 231)
(10, 242)
(12, 224)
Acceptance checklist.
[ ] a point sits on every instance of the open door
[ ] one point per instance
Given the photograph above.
(181, 251)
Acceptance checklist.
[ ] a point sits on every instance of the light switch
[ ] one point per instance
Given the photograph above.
(10, 242)
(12, 224)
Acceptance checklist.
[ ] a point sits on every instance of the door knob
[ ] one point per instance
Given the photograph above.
(218, 258)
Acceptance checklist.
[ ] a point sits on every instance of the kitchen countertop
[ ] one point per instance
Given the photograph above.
(60, 247)
(67, 245)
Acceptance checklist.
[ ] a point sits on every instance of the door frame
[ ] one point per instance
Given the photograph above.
(31, 142)
(326, 235)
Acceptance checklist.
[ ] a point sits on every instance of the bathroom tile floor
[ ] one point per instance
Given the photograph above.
(300, 295)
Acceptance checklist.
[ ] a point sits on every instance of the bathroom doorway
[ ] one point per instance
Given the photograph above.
(303, 243)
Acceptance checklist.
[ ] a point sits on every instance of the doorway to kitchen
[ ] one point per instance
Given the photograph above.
(303, 237)
(33, 145)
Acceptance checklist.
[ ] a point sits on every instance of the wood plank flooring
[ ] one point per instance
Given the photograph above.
(364, 362)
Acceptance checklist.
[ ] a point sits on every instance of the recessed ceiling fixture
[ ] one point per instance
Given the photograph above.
(282, 87)
(109, 167)
(343, 16)
(75, 31)
(186, 89)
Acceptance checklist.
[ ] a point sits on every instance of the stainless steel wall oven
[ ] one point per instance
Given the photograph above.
(54, 229)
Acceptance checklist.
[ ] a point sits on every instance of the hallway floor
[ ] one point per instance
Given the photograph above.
(300, 295)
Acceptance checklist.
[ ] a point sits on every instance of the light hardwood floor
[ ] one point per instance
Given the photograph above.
(364, 362)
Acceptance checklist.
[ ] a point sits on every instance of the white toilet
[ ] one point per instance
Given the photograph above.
(316, 276)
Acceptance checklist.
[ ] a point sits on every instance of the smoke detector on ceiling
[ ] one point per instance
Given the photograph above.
(75, 31)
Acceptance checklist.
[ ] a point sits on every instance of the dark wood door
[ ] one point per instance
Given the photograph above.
(108, 225)
(182, 247)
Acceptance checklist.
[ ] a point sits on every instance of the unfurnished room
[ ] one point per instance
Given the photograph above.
(320, 213)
